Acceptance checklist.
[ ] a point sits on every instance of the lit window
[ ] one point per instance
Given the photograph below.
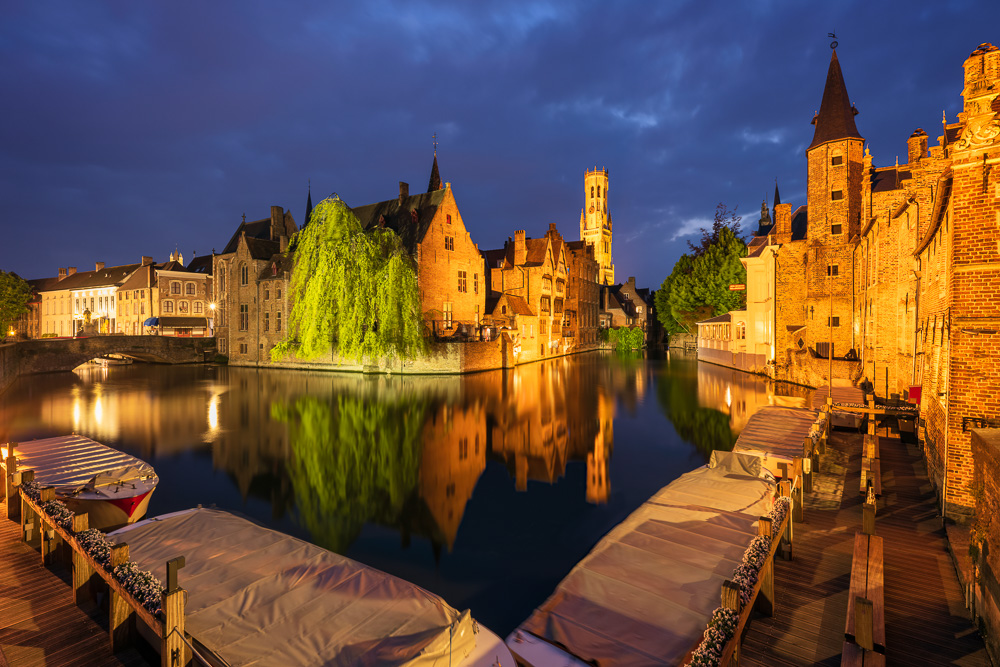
(447, 315)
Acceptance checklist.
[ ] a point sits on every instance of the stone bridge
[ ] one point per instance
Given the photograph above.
(46, 355)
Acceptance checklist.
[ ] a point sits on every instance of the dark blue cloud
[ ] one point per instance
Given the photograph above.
(131, 128)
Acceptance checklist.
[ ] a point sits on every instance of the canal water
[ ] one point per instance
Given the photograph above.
(485, 489)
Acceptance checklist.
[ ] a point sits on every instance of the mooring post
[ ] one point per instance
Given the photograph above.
(27, 515)
(797, 510)
(731, 600)
(82, 570)
(807, 478)
(121, 616)
(174, 651)
(765, 598)
(785, 490)
(45, 530)
(10, 489)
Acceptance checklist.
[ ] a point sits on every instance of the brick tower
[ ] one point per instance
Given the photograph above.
(835, 167)
(595, 223)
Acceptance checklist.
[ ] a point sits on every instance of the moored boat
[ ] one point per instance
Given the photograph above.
(255, 595)
(112, 487)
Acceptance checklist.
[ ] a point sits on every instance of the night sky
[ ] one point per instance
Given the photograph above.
(130, 128)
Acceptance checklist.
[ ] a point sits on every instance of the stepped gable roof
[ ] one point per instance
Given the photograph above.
(889, 178)
(725, 317)
(835, 119)
(201, 264)
(800, 223)
(399, 217)
(953, 132)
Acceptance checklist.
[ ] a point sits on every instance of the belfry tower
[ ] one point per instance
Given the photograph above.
(595, 223)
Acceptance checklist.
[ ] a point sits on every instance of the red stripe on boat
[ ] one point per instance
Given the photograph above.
(128, 505)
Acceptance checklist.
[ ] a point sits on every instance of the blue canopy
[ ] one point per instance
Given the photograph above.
(151, 322)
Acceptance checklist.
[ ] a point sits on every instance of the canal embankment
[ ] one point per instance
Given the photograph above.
(9, 365)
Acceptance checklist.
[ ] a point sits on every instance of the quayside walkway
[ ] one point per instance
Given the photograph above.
(39, 624)
(926, 622)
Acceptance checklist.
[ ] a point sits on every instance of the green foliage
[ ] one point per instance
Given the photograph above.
(353, 461)
(698, 287)
(724, 220)
(14, 296)
(352, 290)
(624, 338)
(706, 428)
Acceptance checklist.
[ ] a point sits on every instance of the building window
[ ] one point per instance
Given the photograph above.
(244, 317)
(833, 270)
(463, 285)
(277, 293)
(475, 283)
(837, 160)
(449, 243)
(836, 229)
(189, 289)
(168, 306)
(222, 275)
(277, 321)
(837, 195)
(447, 314)
(448, 218)
(197, 306)
(543, 327)
(142, 308)
(243, 348)
(182, 306)
(244, 274)
(591, 191)
(833, 321)
(267, 294)
(546, 305)
(267, 321)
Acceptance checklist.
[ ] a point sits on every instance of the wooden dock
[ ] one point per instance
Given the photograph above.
(925, 618)
(39, 624)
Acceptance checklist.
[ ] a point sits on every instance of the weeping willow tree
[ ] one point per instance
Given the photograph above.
(354, 291)
(353, 461)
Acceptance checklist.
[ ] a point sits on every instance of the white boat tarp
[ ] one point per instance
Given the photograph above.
(645, 593)
(73, 463)
(260, 597)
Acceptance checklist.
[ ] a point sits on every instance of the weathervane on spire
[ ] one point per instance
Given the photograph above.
(435, 141)
(833, 36)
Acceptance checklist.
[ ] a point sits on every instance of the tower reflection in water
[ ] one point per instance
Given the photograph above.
(338, 451)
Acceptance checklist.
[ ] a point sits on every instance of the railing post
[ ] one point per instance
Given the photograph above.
(765, 598)
(807, 478)
(82, 570)
(47, 533)
(121, 619)
(785, 489)
(731, 600)
(173, 650)
(10, 490)
(27, 514)
(797, 508)
(868, 515)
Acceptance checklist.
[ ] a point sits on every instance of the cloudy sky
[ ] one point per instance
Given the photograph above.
(130, 128)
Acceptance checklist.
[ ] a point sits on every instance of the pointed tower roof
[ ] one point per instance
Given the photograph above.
(777, 197)
(835, 119)
(309, 205)
(435, 183)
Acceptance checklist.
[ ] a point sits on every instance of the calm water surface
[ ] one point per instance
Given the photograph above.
(485, 489)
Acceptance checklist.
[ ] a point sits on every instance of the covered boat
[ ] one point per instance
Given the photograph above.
(258, 596)
(645, 593)
(112, 487)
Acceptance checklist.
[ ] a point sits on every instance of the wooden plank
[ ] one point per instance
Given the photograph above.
(875, 591)
(859, 582)
(863, 623)
(877, 477)
(852, 655)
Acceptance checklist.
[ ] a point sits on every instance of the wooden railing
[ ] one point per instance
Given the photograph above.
(123, 608)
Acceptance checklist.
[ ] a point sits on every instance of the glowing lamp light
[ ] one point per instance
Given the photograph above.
(211, 306)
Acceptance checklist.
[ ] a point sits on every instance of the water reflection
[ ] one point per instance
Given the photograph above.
(338, 451)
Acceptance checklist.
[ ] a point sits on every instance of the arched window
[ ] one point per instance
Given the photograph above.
(244, 274)
(175, 287)
(189, 289)
(222, 276)
(591, 191)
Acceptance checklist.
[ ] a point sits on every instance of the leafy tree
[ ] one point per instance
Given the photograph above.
(354, 291)
(14, 296)
(724, 219)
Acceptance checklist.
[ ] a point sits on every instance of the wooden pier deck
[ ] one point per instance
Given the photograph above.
(925, 617)
(39, 624)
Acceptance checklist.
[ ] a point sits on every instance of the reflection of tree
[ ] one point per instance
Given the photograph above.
(353, 461)
(705, 428)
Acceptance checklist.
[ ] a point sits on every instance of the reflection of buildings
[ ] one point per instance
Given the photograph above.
(598, 460)
(740, 395)
(453, 458)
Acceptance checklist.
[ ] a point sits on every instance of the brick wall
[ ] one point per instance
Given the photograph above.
(986, 452)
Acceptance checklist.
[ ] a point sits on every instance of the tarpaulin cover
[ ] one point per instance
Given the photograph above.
(74, 464)
(646, 592)
(776, 434)
(260, 597)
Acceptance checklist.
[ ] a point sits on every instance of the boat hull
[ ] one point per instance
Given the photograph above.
(105, 514)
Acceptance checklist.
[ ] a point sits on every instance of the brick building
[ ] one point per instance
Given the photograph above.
(583, 294)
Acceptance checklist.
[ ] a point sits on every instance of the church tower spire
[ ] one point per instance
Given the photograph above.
(435, 183)
(595, 222)
(309, 204)
(835, 119)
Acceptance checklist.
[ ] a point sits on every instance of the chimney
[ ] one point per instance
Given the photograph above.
(783, 222)
(71, 270)
(282, 243)
(916, 146)
(98, 266)
(62, 273)
(404, 191)
(146, 260)
(277, 222)
(520, 248)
